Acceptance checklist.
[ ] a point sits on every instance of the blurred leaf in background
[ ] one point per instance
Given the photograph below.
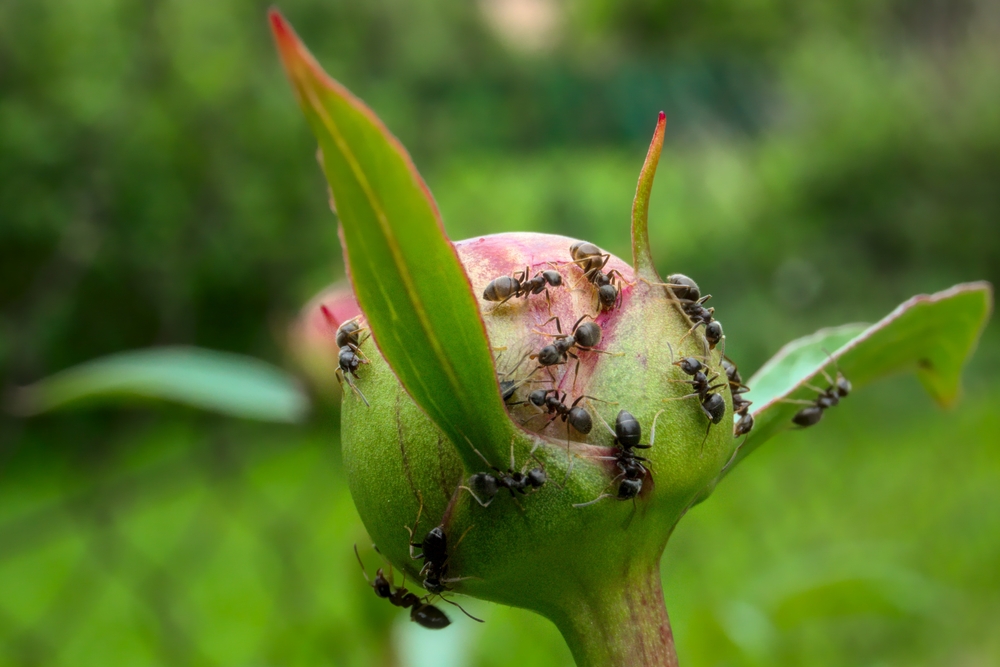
(823, 162)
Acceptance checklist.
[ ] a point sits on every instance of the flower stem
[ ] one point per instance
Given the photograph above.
(619, 626)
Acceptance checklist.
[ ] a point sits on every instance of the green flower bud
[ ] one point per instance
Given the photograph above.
(539, 550)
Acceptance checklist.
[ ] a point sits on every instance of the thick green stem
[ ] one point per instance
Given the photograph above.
(619, 626)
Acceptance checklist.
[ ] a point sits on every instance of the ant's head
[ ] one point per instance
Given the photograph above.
(537, 478)
(538, 396)
(382, 586)
(607, 294)
(689, 365)
(549, 355)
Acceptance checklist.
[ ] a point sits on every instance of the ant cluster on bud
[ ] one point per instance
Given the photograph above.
(630, 475)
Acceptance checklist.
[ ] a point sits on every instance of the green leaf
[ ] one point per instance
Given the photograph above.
(642, 257)
(406, 274)
(227, 383)
(933, 335)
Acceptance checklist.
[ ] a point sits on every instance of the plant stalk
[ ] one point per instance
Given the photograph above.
(624, 625)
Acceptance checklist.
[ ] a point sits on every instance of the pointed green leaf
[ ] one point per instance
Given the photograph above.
(227, 383)
(642, 257)
(406, 274)
(933, 335)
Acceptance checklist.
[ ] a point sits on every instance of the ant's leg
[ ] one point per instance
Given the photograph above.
(362, 565)
(816, 389)
(570, 458)
(797, 401)
(485, 460)
(679, 398)
(582, 318)
(722, 352)
(707, 430)
(603, 495)
(463, 610)
(616, 272)
(456, 579)
(412, 557)
(463, 536)
(690, 331)
(476, 498)
(599, 351)
(591, 502)
(607, 426)
(652, 434)
(350, 383)
(415, 524)
(733, 457)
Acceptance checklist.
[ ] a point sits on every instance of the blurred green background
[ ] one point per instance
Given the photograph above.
(824, 161)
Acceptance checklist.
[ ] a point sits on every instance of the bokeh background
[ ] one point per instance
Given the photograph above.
(824, 161)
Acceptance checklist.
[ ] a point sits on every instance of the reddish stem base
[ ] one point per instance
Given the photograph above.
(621, 626)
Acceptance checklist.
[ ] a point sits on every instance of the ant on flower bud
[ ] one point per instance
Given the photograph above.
(592, 261)
(350, 357)
(634, 468)
(501, 290)
(422, 612)
(712, 405)
(584, 337)
(488, 485)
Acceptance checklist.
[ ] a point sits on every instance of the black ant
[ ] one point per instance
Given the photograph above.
(839, 388)
(693, 304)
(348, 333)
(712, 405)
(508, 386)
(350, 357)
(627, 434)
(421, 611)
(504, 288)
(434, 553)
(592, 262)
(589, 257)
(488, 484)
(585, 336)
(741, 406)
(554, 404)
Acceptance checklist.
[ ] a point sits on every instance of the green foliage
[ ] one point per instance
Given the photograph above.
(406, 274)
(216, 381)
(156, 188)
(933, 335)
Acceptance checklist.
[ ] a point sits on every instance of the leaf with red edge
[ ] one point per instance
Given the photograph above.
(406, 275)
(933, 335)
(642, 258)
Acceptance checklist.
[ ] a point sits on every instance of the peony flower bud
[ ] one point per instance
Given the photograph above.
(540, 549)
